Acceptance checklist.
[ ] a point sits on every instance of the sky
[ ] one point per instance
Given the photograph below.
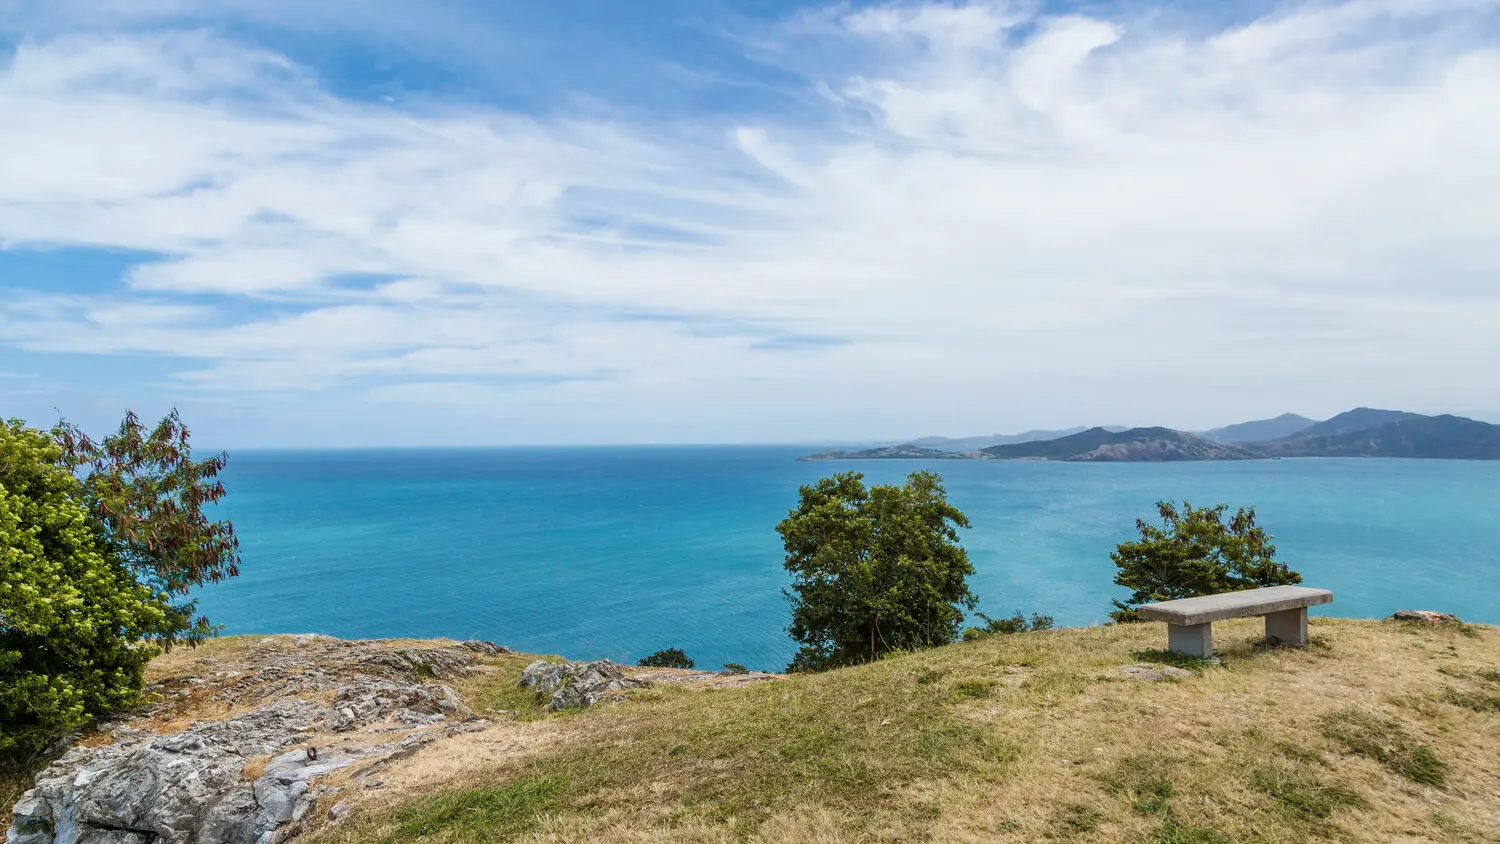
(311, 223)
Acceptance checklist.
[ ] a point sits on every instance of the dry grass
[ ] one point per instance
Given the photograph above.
(1021, 738)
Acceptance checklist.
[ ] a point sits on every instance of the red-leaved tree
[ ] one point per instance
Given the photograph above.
(147, 496)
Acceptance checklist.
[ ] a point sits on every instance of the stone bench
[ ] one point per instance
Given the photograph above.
(1190, 621)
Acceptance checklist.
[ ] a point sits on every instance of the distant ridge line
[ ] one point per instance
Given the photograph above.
(1361, 432)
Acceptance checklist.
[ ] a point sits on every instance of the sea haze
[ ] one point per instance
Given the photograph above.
(616, 552)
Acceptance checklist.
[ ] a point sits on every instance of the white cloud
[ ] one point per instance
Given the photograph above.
(1163, 225)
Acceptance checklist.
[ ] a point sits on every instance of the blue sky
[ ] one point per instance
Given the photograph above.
(463, 222)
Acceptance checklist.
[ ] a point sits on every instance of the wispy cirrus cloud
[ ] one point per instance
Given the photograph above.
(1295, 210)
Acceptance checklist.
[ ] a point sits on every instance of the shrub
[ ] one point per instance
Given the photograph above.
(99, 546)
(735, 668)
(72, 618)
(667, 658)
(1194, 552)
(1017, 623)
(874, 570)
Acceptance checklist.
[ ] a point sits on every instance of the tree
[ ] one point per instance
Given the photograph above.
(667, 658)
(873, 570)
(146, 495)
(1194, 552)
(100, 546)
(72, 619)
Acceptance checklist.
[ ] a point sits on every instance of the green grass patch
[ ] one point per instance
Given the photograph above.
(1074, 819)
(1143, 781)
(481, 814)
(971, 690)
(927, 675)
(489, 693)
(1173, 831)
(1302, 793)
(1469, 699)
(1388, 743)
(846, 740)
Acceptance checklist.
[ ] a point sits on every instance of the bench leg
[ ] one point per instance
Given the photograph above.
(1192, 639)
(1288, 627)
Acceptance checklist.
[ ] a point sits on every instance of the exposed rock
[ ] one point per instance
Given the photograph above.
(576, 685)
(1426, 616)
(1153, 673)
(441, 663)
(485, 648)
(317, 706)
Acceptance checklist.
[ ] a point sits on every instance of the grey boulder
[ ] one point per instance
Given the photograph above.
(577, 685)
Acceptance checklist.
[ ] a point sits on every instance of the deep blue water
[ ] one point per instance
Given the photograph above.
(617, 552)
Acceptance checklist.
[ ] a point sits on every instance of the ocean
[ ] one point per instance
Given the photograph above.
(617, 552)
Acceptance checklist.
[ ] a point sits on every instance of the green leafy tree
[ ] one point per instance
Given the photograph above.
(100, 544)
(667, 658)
(72, 619)
(1195, 552)
(874, 570)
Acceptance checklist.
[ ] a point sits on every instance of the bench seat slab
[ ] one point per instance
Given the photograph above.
(1250, 602)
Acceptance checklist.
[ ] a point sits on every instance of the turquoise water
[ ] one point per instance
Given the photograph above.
(616, 552)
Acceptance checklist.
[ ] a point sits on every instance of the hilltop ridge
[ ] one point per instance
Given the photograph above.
(1378, 731)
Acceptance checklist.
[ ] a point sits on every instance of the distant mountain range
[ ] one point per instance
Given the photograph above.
(976, 443)
(1362, 432)
(1261, 430)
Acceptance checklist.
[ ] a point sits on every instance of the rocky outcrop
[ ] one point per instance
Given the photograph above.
(300, 708)
(1426, 617)
(576, 685)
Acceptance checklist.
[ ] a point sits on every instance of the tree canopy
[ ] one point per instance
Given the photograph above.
(147, 495)
(100, 545)
(667, 658)
(1193, 552)
(874, 570)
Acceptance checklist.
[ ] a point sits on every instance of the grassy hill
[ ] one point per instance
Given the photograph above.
(1377, 732)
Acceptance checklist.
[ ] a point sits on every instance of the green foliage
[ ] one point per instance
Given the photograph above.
(147, 495)
(1388, 743)
(100, 544)
(1195, 552)
(1017, 623)
(72, 618)
(874, 570)
(735, 668)
(667, 658)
